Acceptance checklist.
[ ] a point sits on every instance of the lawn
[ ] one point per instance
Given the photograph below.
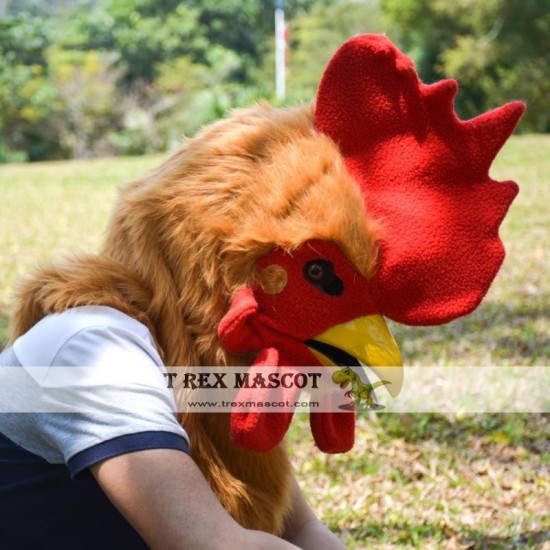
(412, 481)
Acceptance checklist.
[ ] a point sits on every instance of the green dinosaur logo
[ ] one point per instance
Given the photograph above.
(360, 392)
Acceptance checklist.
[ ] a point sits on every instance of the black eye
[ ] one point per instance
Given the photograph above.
(320, 273)
(315, 271)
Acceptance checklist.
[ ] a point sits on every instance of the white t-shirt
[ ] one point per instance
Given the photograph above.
(120, 402)
(102, 366)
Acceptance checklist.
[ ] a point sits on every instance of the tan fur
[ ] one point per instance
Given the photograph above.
(186, 236)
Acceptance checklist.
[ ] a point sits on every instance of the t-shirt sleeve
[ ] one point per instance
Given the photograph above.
(111, 380)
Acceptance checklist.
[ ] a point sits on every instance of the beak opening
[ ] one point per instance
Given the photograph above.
(365, 341)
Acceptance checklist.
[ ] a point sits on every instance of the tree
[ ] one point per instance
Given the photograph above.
(317, 34)
(499, 50)
(86, 85)
(28, 100)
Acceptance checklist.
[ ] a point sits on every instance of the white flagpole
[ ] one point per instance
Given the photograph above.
(280, 47)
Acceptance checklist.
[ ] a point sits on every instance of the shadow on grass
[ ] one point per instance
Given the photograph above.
(527, 539)
(514, 331)
(421, 536)
(459, 432)
(523, 325)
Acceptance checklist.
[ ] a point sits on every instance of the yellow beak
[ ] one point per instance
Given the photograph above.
(370, 342)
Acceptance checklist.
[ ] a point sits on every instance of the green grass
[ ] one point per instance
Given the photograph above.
(411, 481)
(55, 208)
(433, 481)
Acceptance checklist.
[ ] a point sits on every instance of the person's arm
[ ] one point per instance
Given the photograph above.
(304, 529)
(166, 499)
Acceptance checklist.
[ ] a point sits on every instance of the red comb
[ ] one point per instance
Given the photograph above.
(424, 176)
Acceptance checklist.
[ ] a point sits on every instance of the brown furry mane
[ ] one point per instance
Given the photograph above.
(186, 236)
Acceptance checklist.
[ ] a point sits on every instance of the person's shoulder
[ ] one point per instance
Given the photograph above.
(80, 335)
(73, 320)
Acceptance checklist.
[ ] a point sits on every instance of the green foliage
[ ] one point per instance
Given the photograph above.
(83, 78)
(147, 32)
(43, 8)
(198, 93)
(497, 49)
(28, 101)
(317, 34)
(86, 85)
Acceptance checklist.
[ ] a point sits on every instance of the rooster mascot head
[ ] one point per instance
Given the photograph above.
(283, 237)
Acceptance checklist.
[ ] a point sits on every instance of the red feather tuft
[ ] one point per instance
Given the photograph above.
(424, 176)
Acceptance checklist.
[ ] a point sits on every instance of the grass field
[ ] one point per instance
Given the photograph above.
(412, 481)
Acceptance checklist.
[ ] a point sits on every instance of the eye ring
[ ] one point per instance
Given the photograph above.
(320, 273)
(315, 271)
